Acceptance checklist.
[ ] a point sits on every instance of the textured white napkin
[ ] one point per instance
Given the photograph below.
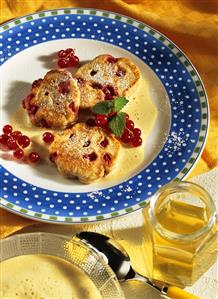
(129, 231)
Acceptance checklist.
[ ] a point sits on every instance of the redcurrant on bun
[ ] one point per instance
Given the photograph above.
(85, 152)
(53, 101)
(105, 78)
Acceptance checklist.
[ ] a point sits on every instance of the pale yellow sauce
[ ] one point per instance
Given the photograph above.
(143, 112)
(140, 109)
(44, 277)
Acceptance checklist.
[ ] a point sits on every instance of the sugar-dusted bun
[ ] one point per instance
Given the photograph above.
(87, 153)
(54, 101)
(106, 77)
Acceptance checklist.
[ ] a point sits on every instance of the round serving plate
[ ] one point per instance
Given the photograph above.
(27, 47)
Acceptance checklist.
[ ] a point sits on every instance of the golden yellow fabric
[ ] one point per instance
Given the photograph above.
(10, 223)
(191, 24)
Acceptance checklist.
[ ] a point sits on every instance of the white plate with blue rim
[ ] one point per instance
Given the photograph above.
(175, 143)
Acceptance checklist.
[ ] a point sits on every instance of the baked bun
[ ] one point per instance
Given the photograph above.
(106, 77)
(87, 153)
(54, 101)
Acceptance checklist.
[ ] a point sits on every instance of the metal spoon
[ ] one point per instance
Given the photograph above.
(119, 261)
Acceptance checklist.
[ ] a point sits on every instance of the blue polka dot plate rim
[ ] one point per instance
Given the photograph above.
(183, 99)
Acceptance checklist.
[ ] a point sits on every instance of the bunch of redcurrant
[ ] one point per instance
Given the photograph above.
(131, 134)
(67, 58)
(15, 141)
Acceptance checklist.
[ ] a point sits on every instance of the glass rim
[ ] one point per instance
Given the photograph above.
(186, 236)
(110, 280)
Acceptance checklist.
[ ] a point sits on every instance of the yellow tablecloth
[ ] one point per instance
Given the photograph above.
(191, 24)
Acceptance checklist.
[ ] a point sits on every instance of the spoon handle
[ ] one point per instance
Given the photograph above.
(177, 293)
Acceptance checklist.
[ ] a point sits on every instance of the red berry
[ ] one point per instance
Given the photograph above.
(48, 137)
(32, 109)
(7, 129)
(96, 85)
(90, 122)
(101, 120)
(93, 73)
(120, 73)
(136, 141)
(23, 141)
(4, 139)
(104, 142)
(109, 91)
(1, 139)
(53, 156)
(12, 143)
(111, 114)
(69, 50)
(137, 132)
(107, 158)
(36, 83)
(67, 58)
(73, 61)
(29, 97)
(71, 55)
(18, 153)
(126, 136)
(76, 58)
(62, 63)
(80, 80)
(91, 157)
(112, 59)
(64, 87)
(86, 143)
(68, 61)
(130, 125)
(127, 116)
(72, 106)
(24, 104)
(62, 54)
(16, 134)
(27, 100)
(107, 129)
(34, 157)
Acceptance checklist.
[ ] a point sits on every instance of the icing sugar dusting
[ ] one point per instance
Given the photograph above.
(99, 194)
(175, 142)
(127, 189)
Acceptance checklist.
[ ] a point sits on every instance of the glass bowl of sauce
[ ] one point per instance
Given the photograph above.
(43, 265)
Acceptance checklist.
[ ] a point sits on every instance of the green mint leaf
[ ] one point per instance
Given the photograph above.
(117, 123)
(119, 103)
(103, 107)
(106, 107)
